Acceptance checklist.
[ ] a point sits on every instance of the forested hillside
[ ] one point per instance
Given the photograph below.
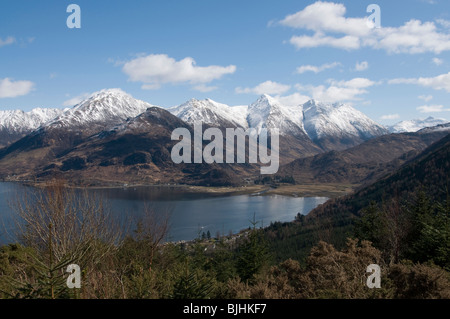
(427, 176)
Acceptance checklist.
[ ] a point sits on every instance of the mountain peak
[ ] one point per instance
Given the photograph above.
(210, 112)
(322, 105)
(201, 103)
(267, 98)
(114, 93)
(338, 120)
(311, 102)
(106, 107)
(193, 100)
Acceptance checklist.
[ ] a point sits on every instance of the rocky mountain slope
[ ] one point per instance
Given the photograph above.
(362, 164)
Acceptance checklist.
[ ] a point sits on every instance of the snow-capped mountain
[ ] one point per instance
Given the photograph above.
(332, 126)
(15, 124)
(210, 112)
(102, 110)
(19, 121)
(415, 125)
(269, 113)
(305, 129)
(323, 120)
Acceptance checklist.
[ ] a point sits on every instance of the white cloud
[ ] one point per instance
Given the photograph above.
(432, 109)
(319, 39)
(438, 61)
(7, 41)
(444, 23)
(316, 69)
(358, 83)
(426, 98)
(77, 99)
(328, 17)
(361, 66)
(293, 99)
(10, 88)
(390, 117)
(440, 82)
(335, 94)
(155, 70)
(324, 18)
(413, 37)
(339, 91)
(268, 87)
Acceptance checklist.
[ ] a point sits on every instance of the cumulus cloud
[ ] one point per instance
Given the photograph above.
(327, 17)
(359, 83)
(339, 91)
(293, 99)
(316, 69)
(7, 41)
(440, 82)
(9, 88)
(444, 23)
(426, 98)
(333, 29)
(268, 87)
(319, 39)
(390, 116)
(438, 61)
(432, 109)
(155, 70)
(361, 66)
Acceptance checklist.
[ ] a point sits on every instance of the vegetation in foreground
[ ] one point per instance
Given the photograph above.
(58, 227)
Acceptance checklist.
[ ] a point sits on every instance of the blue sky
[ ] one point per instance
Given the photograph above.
(166, 52)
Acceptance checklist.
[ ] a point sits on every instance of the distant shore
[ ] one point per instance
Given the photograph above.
(294, 190)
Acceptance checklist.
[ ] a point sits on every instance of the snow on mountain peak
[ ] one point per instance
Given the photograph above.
(210, 112)
(416, 125)
(338, 119)
(313, 118)
(109, 107)
(18, 121)
(267, 112)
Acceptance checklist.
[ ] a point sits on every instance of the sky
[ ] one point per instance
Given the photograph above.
(392, 66)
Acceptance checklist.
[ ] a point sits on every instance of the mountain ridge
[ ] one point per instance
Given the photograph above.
(416, 125)
(313, 120)
(138, 137)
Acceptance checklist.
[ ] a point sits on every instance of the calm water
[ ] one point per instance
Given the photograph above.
(190, 213)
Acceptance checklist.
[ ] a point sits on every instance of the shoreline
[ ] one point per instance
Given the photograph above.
(330, 190)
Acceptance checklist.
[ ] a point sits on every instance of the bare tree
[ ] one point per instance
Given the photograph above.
(152, 228)
(397, 226)
(59, 221)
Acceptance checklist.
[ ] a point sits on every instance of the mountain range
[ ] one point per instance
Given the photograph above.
(111, 136)
(16, 124)
(415, 125)
(340, 124)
